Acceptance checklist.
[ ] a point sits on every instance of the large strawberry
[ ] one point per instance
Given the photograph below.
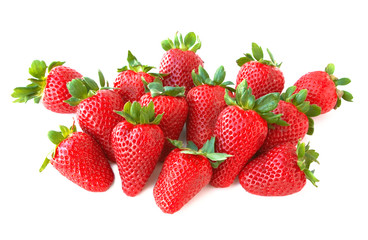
(322, 89)
(179, 60)
(205, 102)
(280, 171)
(295, 111)
(171, 101)
(95, 112)
(137, 144)
(241, 129)
(129, 81)
(263, 76)
(79, 158)
(51, 88)
(184, 173)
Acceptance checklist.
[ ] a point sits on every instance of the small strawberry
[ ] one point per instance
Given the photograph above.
(79, 158)
(51, 88)
(179, 60)
(295, 111)
(280, 171)
(263, 76)
(137, 144)
(95, 111)
(184, 173)
(241, 129)
(129, 83)
(322, 89)
(205, 102)
(171, 101)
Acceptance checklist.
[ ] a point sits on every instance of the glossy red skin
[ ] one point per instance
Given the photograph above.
(321, 90)
(96, 117)
(205, 104)
(297, 129)
(81, 160)
(181, 178)
(56, 92)
(273, 173)
(263, 79)
(130, 85)
(175, 111)
(239, 133)
(179, 65)
(137, 150)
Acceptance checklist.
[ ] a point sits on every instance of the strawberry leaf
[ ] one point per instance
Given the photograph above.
(257, 51)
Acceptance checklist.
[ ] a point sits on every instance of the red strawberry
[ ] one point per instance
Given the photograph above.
(79, 158)
(263, 76)
(184, 173)
(129, 83)
(171, 101)
(95, 113)
(281, 171)
(241, 129)
(179, 60)
(51, 88)
(137, 144)
(205, 102)
(322, 89)
(297, 113)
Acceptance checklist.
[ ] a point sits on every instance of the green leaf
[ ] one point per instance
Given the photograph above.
(77, 89)
(174, 91)
(102, 79)
(313, 111)
(158, 118)
(219, 76)
(209, 146)
(127, 117)
(257, 52)
(196, 47)
(132, 60)
(54, 64)
(44, 164)
(300, 151)
(330, 69)
(73, 101)
(271, 56)
(267, 102)
(176, 143)
(300, 97)
(55, 137)
(192, 146)
(64, 131)
(37, 99)
(218, 156)
(176, 41)
(229, 100)
(347, 96)
(91, 84)
(135, 111)
(342, 81)
(166, 45)
(190, 40)
(203, 73)
(38, 69)
(241, 61)
(288, 93)
(150, 110)
(125, 68)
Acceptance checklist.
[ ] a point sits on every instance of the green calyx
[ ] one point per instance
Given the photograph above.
(257, 56)
(82, 88)
(306, 157)
(137, 114)
(208, 150)
(341, 94)
(263, 105)
(156, 88)
(202, 78)
(56, 137)
(298, 100)
(35, 89)
(190, 42)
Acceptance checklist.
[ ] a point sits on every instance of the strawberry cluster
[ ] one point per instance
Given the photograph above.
(252, 132)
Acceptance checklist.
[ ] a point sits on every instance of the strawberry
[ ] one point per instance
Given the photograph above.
(137, 144)
(185, 172)
(280, 171)
(171, 101)
(205, 102)
(295, 111)
(129, 83)
(179, 60)
(95, 111)
(322, 89)
(79, 158)
(51, 88)
(263, 76)
(241, 129)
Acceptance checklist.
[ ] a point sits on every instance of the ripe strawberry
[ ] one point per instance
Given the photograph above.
(184, 173)
(263, 76)
(179, 60)
(322, 89)
(79, 158)
(171, 101)
(281, 171)
(295, 111)
(129, 83)
(241, 129)
(137, 144)
(95, 112)
(205, 102)
(51, 88)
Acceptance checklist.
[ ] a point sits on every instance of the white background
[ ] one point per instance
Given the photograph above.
(89, 35)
